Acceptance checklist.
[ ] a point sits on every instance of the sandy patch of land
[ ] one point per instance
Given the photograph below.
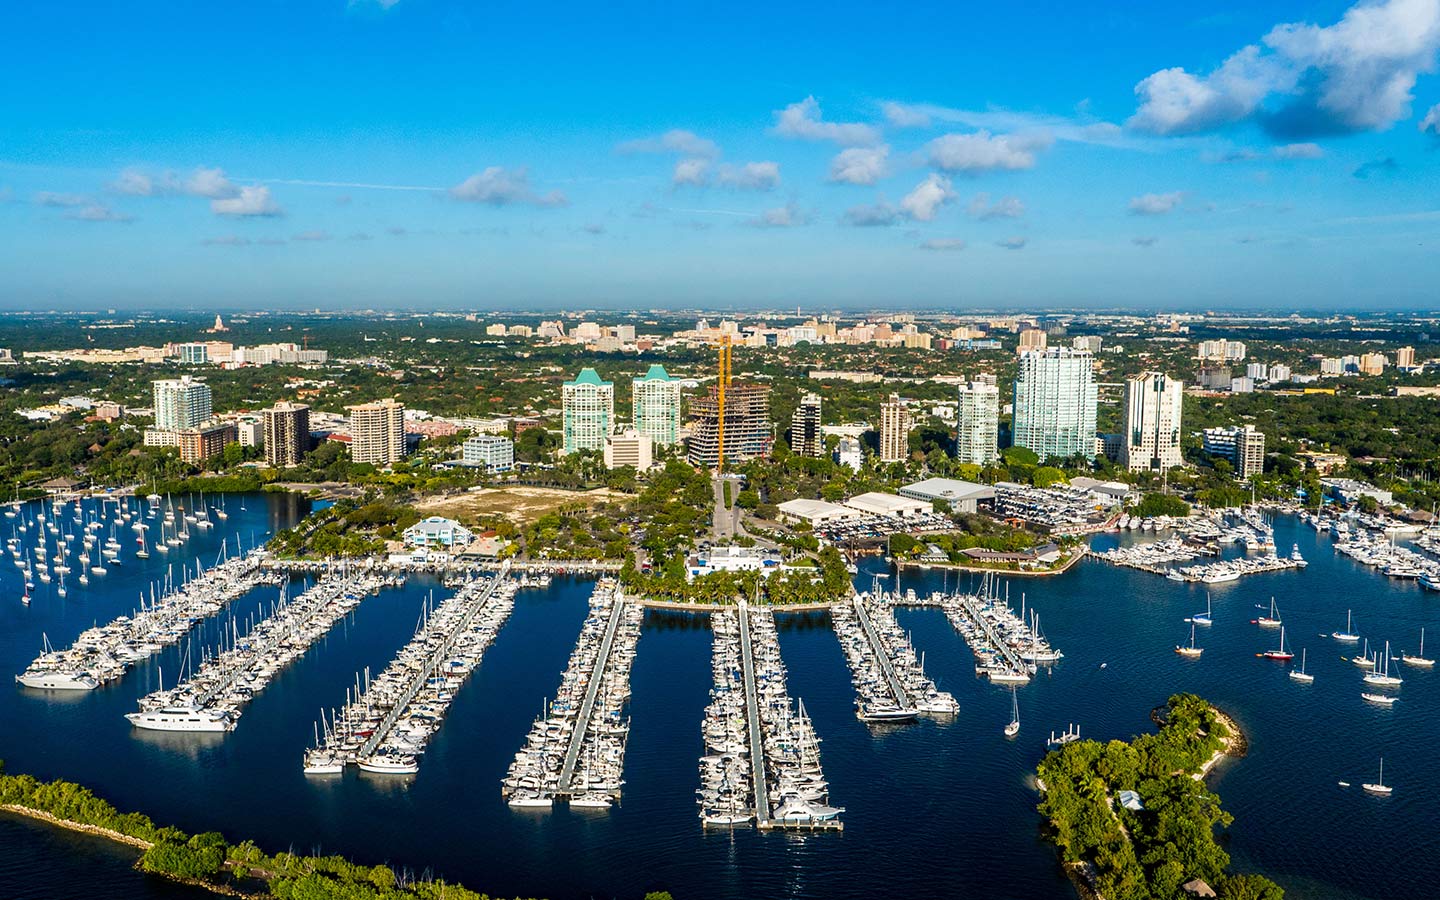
(522, 505)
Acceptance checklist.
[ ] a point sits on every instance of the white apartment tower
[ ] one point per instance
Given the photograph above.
(589, 410)
(655, 406)
(377, 432)
(1055, 399)
(1152, 422)
(181, 403)
(894, 430)
(977, 417)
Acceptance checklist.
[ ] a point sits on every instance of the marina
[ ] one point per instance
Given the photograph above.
(385, 727)
(213, 697)
(1007, 648)
(890, 683)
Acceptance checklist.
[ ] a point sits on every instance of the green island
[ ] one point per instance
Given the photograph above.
(210, 861)
(1135, 821)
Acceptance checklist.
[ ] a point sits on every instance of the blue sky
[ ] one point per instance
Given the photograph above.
(438, 153)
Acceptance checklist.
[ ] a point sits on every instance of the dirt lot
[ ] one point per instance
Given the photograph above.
(522, 505)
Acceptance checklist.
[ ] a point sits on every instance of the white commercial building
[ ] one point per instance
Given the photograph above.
(655, 405)
(962, 496)
(849, 453)
(437, 531)
(977, 420)
(876, 503)
(1055, 400)
(818, 513)
(491, 452)
(182, 403)
(589, 411)
(1152, 422)
(629, 448)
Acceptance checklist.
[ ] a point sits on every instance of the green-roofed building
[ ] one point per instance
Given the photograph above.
(589, 406)
(655, 403)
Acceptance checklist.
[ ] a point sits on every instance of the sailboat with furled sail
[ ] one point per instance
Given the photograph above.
(1190, 651)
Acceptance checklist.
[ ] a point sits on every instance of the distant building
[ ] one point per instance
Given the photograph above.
(1242, 385)
(287, 433)
(437, 531)
(182, 403)
(1221, 351)
(492, 452)
(747, 428)
(1152, 422)
(629, 448)
(1213, 378)
(1405, 358)
(962, 496)
(1031, 339)
(250, 431)
(1279, 372)
(589, 410)
(805, 436)
(1349, 491)
(850, 453)
(204, 442)
(894, 430)
(977, 421)
(194, 354)
(655, 406)
(816, 513)
(876, 503)
(1090, 343)
(1373, 364)
(377, 432)
(1243, 446)
(1258, 371)
(1055, 401)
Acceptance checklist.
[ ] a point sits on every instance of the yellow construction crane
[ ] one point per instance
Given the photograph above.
(724, 382)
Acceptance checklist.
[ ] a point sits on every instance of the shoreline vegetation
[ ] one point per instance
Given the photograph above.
(1000, 569)
(209, 861)
(1135, 821)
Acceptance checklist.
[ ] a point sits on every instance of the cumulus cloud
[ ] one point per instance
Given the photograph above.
(1305, 80)
(860, 165)
(788, 216)
(679, 141)
(1147, 241)
(692, 172)
(802, 120)
(1005, 208)
(210, 183)
(906, 115)
(925, 200)
(980, 151)
(1431, 122)
(250, 201)
(872, 215)
(1377, 167)
(751, 176)
(1156, 204)
(943, 244)
(498, 186)
(1012, 243)
(96, 212)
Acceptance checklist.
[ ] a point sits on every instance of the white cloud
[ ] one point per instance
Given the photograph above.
(929, 195)
(872, 215)
(1156, 204)
(802, 120)
(1431, 122)
(253, 200)
(906, 115)
(51, 198)
(1012, 243)
(212, 183)
(788, 216)
(1080, 128)
(981, 151)
(692, 172)
(1004, 208)
(1305, 80)
(678, 140)
(860, 165)
(752, 176)
(1298, 151)
(943, 244)
(96, 212)
(498, 186)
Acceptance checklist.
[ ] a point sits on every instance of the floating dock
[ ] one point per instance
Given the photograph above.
(890, 684)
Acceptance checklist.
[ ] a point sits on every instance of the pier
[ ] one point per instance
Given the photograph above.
(725, 797)
(752, 720)
(388, 723)
(585, 720)
(880, 655)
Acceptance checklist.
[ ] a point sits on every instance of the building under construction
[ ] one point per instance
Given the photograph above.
(731, 423)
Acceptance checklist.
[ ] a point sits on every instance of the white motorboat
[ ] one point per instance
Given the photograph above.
(182, 718)
(382, 764)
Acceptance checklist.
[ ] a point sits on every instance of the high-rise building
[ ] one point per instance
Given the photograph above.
(849, 453)
(1242, 445)
(894, 430)
(1373, 364)
(629, 448)
(655, 406)
(748, 432)
(1279, 372)
(181, 403)
(589, 409)
(1031, 339)
(377, 432)
(205, 441)
(1090, 343)
(1152, 422)
(491, 452)
(806, 438)
(1055, 400)
(287, 433)
(977, 419)
(1221, 351)
(194, 354)
(1405, 358)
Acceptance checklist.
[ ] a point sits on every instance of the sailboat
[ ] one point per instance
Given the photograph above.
(1202, 618)
(1014, 727)
(1300, 674)
(1363, 660)
(1191, 651)
(141, 553)
(1347, 635)
(1270, 621)
(1281, 653)
(1379, 787)
(1382, 677)
(1421, 659)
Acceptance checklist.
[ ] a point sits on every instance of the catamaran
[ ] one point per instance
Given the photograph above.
(1280, 653)
(1190, 651)
(1347, 636)
(1419, 660)
(1379, 787)
(1300, 674)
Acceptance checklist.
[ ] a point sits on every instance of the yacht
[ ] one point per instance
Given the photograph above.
(1364, 660)
(1346, 636)
(383, 764)
(182, 718)
(592, 800)
(1380, 699)
(1300, 674)
(1379, 788)
(57, 680)
(1382, 677)
(1420, 660)
(1279, 653)
(1295, 556)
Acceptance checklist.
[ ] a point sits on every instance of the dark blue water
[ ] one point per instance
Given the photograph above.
(932, 810)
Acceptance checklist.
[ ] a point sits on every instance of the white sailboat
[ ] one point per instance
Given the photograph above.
(1203, 618)
(1379, 788)
(1419, 660)
(1190, 651)
(1272, 620)
(1014, 727)
(1346, 636)
(1382, 677)
(1300, 674)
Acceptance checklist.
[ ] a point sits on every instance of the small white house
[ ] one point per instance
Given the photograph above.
(437, 531)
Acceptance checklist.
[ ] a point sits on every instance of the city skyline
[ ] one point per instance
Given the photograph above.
(413, 153)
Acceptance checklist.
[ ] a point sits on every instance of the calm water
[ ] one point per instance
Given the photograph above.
(933, 810)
